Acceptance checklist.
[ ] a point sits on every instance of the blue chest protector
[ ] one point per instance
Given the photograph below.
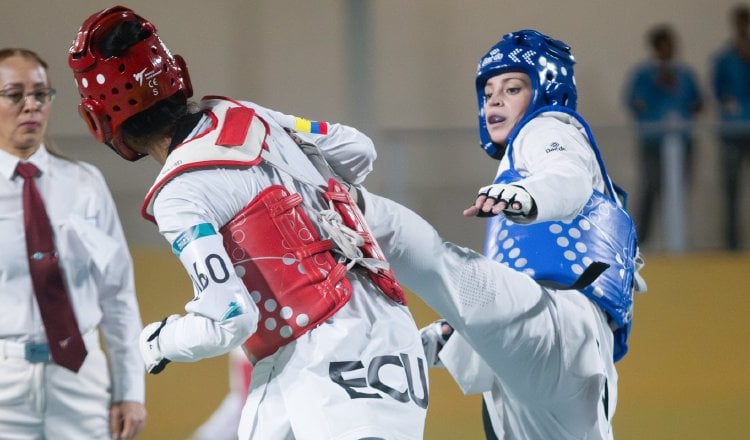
(594, 253)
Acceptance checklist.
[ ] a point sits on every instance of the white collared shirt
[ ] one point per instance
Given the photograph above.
(94, 256)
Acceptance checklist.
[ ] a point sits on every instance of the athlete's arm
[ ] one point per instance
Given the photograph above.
(221, 315)
(347, 150)
(350, 152)
(559, 166)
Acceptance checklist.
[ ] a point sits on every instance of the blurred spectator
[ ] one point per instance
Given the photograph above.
(662, 94)
(731, 86)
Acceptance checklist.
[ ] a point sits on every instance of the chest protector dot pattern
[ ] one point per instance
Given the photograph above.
(594, 253)
(289, 270)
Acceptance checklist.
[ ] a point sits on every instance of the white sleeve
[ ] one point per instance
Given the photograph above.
(559, 166)
(469, 370)
(350, 152)
(121, 320)
(221, 316)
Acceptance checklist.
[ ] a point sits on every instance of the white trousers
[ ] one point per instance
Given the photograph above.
(44, 401)
(360, 375)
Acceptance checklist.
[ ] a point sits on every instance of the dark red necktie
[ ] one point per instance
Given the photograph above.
(65, 343)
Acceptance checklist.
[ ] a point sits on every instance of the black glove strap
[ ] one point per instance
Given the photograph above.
(163, 363)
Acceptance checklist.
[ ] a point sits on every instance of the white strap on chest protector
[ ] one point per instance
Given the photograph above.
(347, 242)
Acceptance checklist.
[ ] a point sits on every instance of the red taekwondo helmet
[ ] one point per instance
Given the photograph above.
(114, 88)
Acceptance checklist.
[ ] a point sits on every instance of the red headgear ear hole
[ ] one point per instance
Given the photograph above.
(96, 120)
(101, 128)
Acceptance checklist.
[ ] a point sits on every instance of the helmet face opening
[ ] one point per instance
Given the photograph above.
(115, 87)
(547, 62)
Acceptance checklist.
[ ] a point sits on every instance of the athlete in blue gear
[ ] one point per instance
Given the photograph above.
(545, 358)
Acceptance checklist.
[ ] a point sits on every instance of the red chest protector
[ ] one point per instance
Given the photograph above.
(352, 217)
(290, 272)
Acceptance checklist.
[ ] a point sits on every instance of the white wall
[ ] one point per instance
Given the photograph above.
(293, 55)
(414, 79)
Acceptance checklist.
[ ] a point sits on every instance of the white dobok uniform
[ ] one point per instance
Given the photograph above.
(542, 357)
(362, 373)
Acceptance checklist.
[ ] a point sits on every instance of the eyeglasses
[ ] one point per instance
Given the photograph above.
(18, 97)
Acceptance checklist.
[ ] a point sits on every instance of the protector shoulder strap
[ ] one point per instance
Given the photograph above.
(236, 137)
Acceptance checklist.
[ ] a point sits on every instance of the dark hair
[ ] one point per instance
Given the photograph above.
(159, 120)
(8, 52)
(659, 34)
(740, 13)
(123, 36)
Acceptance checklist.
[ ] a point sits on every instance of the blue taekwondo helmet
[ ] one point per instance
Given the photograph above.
(549, 64)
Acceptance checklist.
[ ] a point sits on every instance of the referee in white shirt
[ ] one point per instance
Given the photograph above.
(99, 397)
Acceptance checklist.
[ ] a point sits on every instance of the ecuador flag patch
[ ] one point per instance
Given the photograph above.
(307, 126)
